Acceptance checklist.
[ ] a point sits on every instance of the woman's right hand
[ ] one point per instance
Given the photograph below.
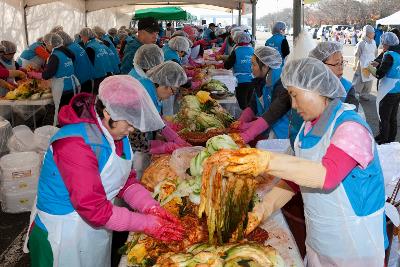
(162, 229)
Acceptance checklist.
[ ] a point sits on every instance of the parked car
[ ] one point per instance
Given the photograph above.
(322, 29)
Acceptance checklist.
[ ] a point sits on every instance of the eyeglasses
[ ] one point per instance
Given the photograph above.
(340, 64)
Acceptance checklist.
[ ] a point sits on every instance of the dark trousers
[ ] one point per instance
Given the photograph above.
(87, 87)
(244, 92)
(388, 109)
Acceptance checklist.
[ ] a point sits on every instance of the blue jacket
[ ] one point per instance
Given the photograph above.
(29, 53)
(394, 72)
(170, 54)
(150, 88)
(65, 69)
(207, 34)
(275, 41)
(378, 34)
(83, 68)
(129, 55)
(102, 61)
(242, 66)
(112, 47)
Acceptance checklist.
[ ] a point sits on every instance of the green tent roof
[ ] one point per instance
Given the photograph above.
(163, 13)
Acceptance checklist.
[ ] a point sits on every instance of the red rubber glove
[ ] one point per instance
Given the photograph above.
(159, 211)
(247, 115)
(255, 128)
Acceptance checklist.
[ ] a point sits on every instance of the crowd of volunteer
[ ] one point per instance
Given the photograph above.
(112, 88)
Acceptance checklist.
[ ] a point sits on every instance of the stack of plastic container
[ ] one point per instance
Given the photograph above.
(18, 181)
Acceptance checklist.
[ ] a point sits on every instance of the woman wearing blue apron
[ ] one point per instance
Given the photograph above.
(336, 169)
(35, 56)
(388, 98)
(278, 40)
(89, 164)
(267, 114)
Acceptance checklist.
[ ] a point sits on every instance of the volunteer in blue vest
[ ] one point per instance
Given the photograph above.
(176, 49)
(124, 39)
(99, 57)
(240, 61)
(331, 54)
(35, 56)
(267, 114)
(147, 34)
(388, 98)
(106, 40)
(336, 169)
(60, 70)
(84, 70)
(112, 32)
(378, 34)
(278, 40)
(89, 164)
(209, 33)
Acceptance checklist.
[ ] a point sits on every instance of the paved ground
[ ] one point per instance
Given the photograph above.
(13, 227)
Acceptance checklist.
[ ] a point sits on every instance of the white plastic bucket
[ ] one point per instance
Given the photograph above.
(42, 136)
(17, 202)
(21, 165)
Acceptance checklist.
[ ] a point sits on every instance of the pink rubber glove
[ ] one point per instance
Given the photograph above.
(124, 220)
(255, 128)
(247, 115)
(172, 136)
(160, 147)
(35, 75)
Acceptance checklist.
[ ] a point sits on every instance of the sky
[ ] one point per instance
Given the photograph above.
(271, 6)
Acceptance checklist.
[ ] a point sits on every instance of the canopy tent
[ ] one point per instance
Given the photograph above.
(393, 19)
(164, 13)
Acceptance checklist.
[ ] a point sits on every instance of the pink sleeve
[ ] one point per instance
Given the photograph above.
(338, 165)
(79, 170)
(4, 73)
(222, 50)
(356, 141)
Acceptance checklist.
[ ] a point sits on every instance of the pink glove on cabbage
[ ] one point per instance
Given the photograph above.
(160, 147)
(124, 220)
(35, 75)
(247, 115)
(172, 136)
(255, 128)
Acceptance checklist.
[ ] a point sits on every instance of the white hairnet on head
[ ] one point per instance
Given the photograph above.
(268, 56)
(126, 99)
(368, 29)
(9, 47)
(324, 50)
(220, 32)
(390, 39)
(98, 31)
(236, 29)
(53, 39)
(112, 31)
(87, 32)
(179, 44)
(65, 37)
(168, 73)
(311, 74)
(278, 27)
(180, 33)
(241, 37)
(57, 29)
(122, 34)
(148, 56)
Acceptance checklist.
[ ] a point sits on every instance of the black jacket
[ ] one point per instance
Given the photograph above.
(386, 62)
(52, 64)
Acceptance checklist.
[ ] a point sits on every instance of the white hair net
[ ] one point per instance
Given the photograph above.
(324, 50)
(122, 34)
(268, 56)
(368, 29)
(220, 32)
(278, 27)
(241, 37)
(126, 99)
(168, 73)
(57, 29)
(390, 39)
(311, 74)
(87, 32)
(53, 39)
(9, 47)
(179, 43)
(65, 37)
(148, 56)
(234, 30)
(98, 31)
(180, 33)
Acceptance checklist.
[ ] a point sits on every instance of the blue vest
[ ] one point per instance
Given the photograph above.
(281, 126)
(112, 47)
(101, 62)
(170, 54)
(113, 60)
(84, 70)
(364, 187)
(242, 66)
(346, 85)
(29, 53)
(128, 39)
(53, 196)
(65, 69)
(394, 71)
(275, 41)
(207, 34)
(150, 88)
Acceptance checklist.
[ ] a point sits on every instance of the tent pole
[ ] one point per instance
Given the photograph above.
(26, 26)
(86, 18)
(232, 16)
(240, 13)
(297, 17)
(253, 18)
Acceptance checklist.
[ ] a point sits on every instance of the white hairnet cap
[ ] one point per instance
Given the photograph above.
(53, 39)
(9, 47)
(122, 34)
(87, 32)
(390, 39)
(311, 74)
(324, 50)
(126, 99)
(220, 31)
(57, 29)
(368, 29)
(65, 37)
(148, 56)
(180, 33)
(168, 73)
(241, 37)
(99, 31)
(268, 56)
(179, 44)
(278, 26)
